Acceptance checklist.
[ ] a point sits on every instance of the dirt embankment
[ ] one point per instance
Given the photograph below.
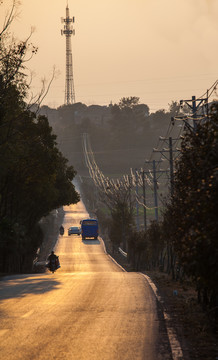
(195, 328)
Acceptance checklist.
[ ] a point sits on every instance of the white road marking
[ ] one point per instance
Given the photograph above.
(177, 353)
(116, 263)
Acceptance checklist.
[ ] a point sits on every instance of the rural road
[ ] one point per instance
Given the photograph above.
(89, 309)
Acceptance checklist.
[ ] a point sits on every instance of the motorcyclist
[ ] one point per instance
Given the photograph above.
(61, 230)
(53, 261)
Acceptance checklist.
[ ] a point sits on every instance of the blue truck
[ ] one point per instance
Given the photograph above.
(89, 228)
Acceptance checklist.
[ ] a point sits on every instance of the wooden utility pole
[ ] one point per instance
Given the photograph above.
(144, 200)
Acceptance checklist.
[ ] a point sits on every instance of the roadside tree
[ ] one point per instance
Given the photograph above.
(34, 175)
(193, 208)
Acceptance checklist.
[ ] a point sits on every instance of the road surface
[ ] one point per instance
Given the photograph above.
(89, 309)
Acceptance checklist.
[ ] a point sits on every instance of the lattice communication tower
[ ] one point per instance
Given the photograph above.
(68, 31)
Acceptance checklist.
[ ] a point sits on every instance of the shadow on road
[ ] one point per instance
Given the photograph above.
(91, 242)
(21, 285)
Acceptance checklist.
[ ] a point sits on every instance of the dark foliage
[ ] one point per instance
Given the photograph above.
(192, 213)
(34, 175)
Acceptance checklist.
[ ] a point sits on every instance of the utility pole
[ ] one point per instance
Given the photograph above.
(194, 111)
(154, 162)
(130, 190)
(68, 32)
(171, 166)
(137, 204)
(155, 172)
(170, 159)
(155, 191)
(194, 106)
(144, 200)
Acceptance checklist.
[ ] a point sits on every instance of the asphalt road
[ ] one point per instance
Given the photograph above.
(89, 309)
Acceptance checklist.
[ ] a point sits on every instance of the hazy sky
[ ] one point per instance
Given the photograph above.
(158, 50)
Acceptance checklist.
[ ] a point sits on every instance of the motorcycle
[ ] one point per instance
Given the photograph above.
(53, 264)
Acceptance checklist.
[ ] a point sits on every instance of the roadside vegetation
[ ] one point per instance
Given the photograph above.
(34, 175)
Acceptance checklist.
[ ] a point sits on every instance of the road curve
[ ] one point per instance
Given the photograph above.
(89, 309)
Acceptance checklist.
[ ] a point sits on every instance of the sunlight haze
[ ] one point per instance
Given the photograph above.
(157, 50)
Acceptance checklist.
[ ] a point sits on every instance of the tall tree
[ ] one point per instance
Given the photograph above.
(34, 176)
(194, 206)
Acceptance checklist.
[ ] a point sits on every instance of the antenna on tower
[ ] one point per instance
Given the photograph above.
(68, 31)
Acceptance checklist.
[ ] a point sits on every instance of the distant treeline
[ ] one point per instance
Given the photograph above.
(122, 134)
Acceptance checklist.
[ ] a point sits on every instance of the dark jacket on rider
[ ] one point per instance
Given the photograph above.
(52, 257)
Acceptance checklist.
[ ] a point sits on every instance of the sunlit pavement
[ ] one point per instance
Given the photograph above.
(89, 309)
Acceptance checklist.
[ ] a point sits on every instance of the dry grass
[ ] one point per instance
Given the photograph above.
(194, 327)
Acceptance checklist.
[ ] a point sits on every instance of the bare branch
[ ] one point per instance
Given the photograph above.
(43, 93)
(10, 17)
